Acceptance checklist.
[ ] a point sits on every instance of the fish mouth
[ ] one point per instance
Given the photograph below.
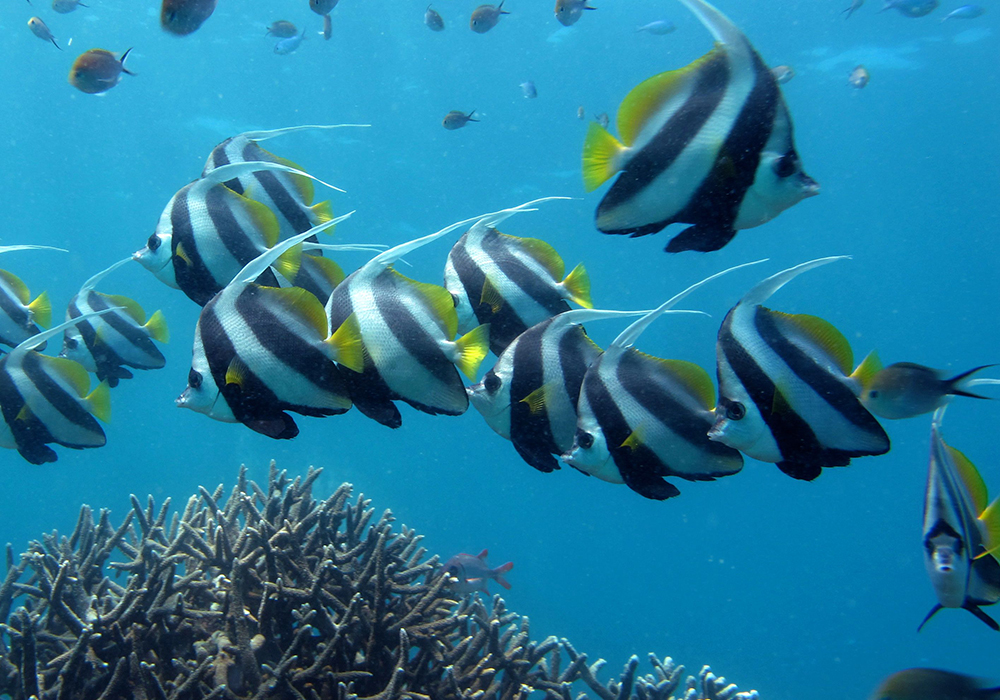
(146, 258)
(810, 188)
(718, 429)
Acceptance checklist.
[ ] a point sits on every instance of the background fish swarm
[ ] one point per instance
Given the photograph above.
(274, 594)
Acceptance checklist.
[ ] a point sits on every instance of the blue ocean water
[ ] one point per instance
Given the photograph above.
(800, 590)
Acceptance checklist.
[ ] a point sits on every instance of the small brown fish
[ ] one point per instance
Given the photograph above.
(65, 6)
(456, 120)
(182, 17)
(581, 113)
(97, 71)
(282, 29)
(39, 29)
(568, 12)
(859, 77)
(932, 684)
(602, 119)
(485, 17)
(782, 74)
(322, 7)
(433, 20)
(327, 27)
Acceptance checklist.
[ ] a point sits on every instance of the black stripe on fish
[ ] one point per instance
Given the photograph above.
(68, 406)
(192, 276)
(107, 361)
(12, 307)
(30, 434)
(287, 206)
(531, 434)
(228, 229)
(470, 275)
(220, 157)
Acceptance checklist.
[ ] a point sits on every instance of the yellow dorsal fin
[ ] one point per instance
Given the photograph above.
(348, 347)
(693, 378)
(288, 263)
(72, 372)
(129, 306)
(491, 296)
(539, 398)
(823, 334)
(17, 286)
(971, 479)
(179, 252)
(601, 153)
(321, 212)
(302, 187)
(544, 254)
(301, 304)
(470, 350)
(989, 521)
(99, 402)
(438, 299)
(260, 215)
(41, 310)
(156, 326)
(866, 371)
(327, 269)
(237, 372)
(577, 286)
(648, 97)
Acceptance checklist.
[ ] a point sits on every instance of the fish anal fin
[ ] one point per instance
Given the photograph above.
(601, 155)
(538, 458)
(280, 428)
(650, 486)
(703, 238)
(348, 347)
(983, 617)
(577, 286)
(543, 253)
(866, 371)
(156, 326)
(471, 348)
(803, 472)
(41, 310)
(130, 306)
(491, 296)
(823, 334)
(929, 615)
(971, 479)
(99, 402)
(16, 285)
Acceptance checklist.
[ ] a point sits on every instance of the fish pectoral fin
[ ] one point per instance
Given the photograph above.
(986, 619)
(181, 254)
(577, 286)
(99, 402)
(803, 472)
(41, 310)
(24, 414)
(601, 155)
(538, 399)
(236, 373)
(470, 350)
(703, 238)
(491, 297)
(866, 371)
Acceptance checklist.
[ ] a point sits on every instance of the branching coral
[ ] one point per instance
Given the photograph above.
(276, 595)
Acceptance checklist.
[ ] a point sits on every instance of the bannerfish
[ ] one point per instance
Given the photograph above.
(642, 418)
(961, 529)
(906, 389)
(182, 17)
(47, 400)
(208, 232)
(96, 71)
(782, 74)
(859, 77)
(282, 29)
(322, 7)
(485, 17)
(106, 345)
(932, 684)
(530, 395)
(855, 5)
(529, 90)
(660, 27)
(66, 6)
(283, 47)
(709, 144)
(785, 391)
(20, 316)
(408, 329)
(473, 572)
(456, 120)
(262, 351)
(569, 12)
(41, 30)
(433, 20)
(965, 12)
(327, 27)
(911, 8)
(510, 283)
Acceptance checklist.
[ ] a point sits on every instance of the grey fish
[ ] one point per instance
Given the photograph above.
(322, 7)
(569, 12)
(286, 46)
(485, 17)
(65, 6)
(906, 389)
(660, 27)
(41, 30)
(911, 8)
(933, 684)
(529, 90)
(433, 20)
(859, 77)
(456, 120)
(282, 29)
(965, 12)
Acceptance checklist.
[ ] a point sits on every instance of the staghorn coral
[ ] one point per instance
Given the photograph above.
(276, 595)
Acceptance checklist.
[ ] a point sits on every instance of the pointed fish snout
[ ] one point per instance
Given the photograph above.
(810, 187)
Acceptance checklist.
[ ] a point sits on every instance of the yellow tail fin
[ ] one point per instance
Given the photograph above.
(601, 153)
(577, 285)
(349, 348)
(322, 212)
(41, 309)
(157, 327)
(470, 350)
(99, 402)
(289, 262)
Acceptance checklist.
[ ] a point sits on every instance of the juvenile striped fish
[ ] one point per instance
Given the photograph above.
(785, 394)
(510, 283)
(709, 144)
(408, 329)
(47, 400)
(959, 531)
(261, 351)
(530, 395)
(20, 315)
(208, 232)
(642, 418)
(106, 345)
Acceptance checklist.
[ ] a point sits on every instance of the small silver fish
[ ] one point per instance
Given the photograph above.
(39, 29)
(965, 12)
(433, 20)
(581, 113)
(660, 27)
(65, 6)
(485, 17)
(456, 120)
(911, 8)
(568, 12)
(603, 119)
(855, 4)
(529, 90)
(327, 27)
(782, 74)
(282, 29)
(859, 77)
(289, 45)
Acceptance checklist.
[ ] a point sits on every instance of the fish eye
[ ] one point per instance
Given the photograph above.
(491, 382)
(153, 243)
(786, 165)
(194, 379)
(71, 343)
(736, 411)
(873, 394)
(584, 439)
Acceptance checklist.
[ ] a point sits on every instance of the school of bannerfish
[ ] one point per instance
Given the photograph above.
(283, 330)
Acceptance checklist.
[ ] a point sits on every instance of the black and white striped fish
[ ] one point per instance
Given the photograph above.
(709, 144)
(785, 391)
(642, 418)
(510, 283)
(108, 344)
(207, 233)
(530, 395)
(289, 196)
(261, 351)
(20, 315)
(47, 400)
(960, 530)
(408, 329)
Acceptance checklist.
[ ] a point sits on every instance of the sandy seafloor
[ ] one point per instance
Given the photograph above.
(800, 590)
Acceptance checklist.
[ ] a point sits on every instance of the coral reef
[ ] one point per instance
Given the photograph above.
(273, 594)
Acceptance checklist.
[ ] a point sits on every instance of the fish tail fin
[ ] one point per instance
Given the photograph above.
(929, 615)
(983, 617)
(99, 402)
(469, 117)
(41, 309)
(500, 571)
(471, 348)
(122, 59)
(53, 40)
(157, 327)
(955, 383)
(288, 263)
(990, 519)
(323, 211)
(601, 153)
(866, 371)
(577, 285)
(349, 349)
